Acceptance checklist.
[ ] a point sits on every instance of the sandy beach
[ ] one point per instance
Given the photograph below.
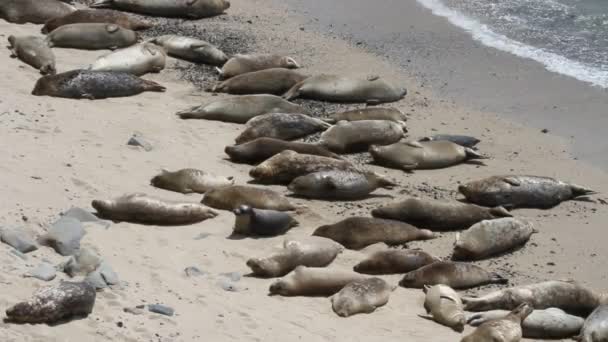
(60, 153)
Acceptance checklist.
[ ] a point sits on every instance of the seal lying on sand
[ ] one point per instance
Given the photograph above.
(261, 149)
(393, 261)
(507, 329)
(92, 36)
(98, 16)
(362, 296)
(140, 208)
(358, 136)
(242, 64)
(522, 191)
(312, 281)
(55, 303)
(444, 306)
(88, 84)
(339, 185)
(233, 196)
(370, 113)
(190, 180)
(262, 222)
(462, 140)
(33, 11)
(270, 81)
(438, 215)
(595, 328)
(457, 275)
(284, 126)
(33, 51)
(137, 60)
(189, 9)
(190, 49)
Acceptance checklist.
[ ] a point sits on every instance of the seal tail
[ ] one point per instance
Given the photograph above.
(329, 120)
(580, 191)
(498, 279)
(102, 4)
(294, 92)
(472, 154)
(186, 113)
(153, 86)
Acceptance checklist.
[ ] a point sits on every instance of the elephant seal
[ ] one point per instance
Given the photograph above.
(98, 16)
(284, 126)
(242, 64)
(437, 214)
(333, 88)
(33, 51)
(393, 261)
(261, 149)
(91, 36)
(262, 222)
(240, 109)
(358, 136)
(137, 60)
(359, 232)
(492, 237)
(273, 81)
(362, 296)
(522, 191)
(339, 185)
(188, 9)
(52, 304)
(457, 275)
(288, 165)
(595, 328)
(312, 251)
(190, 180)
(370, 113)
(88, 84)
(425, 155)
(139, 208)
(551, 323)
(313, 281)
(190, 49)
(33, 11)
(462, 140)
(569, 296)
(233, 196)
(507, 329)
(444, 306)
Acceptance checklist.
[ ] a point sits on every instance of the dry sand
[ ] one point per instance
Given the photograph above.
(59, 153)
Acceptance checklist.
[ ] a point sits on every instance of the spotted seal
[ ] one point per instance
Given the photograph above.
(190, 180)
(313, 281)
(137, 60)
(273, 81)
(395, 260)
(189, 9)
(190, 49)
(260, 149)
(33, 11)
(92, 36)
(33, 51)
(339, 185)
(444, 306)
(262, 222)
(284, 126)
(98, 16)
(457, 275)
(507, 329)
(358, 136)
(242, 64)
(233, 196)
(362, 296)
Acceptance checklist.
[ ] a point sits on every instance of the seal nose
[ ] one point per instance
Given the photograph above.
(463, 189)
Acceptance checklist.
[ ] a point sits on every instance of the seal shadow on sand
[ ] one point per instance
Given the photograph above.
(101, 217)
(368, 197)
(412, 171)
(60, 322)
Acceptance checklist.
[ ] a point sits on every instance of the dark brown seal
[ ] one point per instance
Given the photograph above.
(232, 197)
(261, 149)
(274, 81)
(33, 11)
(262, 222)
(98, 16)
(457, 275)
(394, 261)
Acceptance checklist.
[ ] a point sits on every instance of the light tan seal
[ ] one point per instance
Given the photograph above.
(261, 222)
(98, 16)
(457, 275)
(395, 260)
(139, 208)
(358, 136)
(444, 306)
(33, 51)
(137, 60)
(190, 181)
(92, 36)
(261, 149)
(190, 49)
(369, 113)
(273, 81)
(507, 329)
(33, 11)
(242, 64)
(595, 328)
(233, 196)
(362, 296)
(189, 9)
(313, 281)
(284, 126)
(339, 185)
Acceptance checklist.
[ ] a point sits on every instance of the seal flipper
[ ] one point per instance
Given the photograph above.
(102, 4)
(512, 181)
(472, 154)
(581, 192)
(500, 212)
(294, 92)
(153, 86)
(498, 279)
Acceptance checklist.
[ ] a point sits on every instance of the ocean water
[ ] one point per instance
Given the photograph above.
(569, 37)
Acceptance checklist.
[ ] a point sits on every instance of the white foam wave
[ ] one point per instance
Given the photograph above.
(553, 62)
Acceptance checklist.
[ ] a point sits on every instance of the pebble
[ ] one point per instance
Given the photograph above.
(202, 236)
(64, 236)
(227, 285)
(161, 309)
(133, 311)
(82, 263)
(19, 240)
(103, 277)
(44, 271)
(193, 271)
(138, 140)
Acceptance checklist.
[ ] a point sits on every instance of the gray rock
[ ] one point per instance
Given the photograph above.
(18, 254)
(161, 309)
(138, 140)
(202, 236)
(18, 239)
(44, 271)
(193, 271)
(82, 263)
(96, 280)
(103, 277)
(234, 276)
(228, 285)
(64, 236)
(85, 216)
(133, 311)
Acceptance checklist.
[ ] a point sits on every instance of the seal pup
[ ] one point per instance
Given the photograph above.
(89, 84)
(462, 140)
(457, 275)
(492, 237)
(507, 329)
(437, 214)
(189, 181)
(188, 9)
(262, 222)
(444, 306)
(595, 328)
(139, 208)
(551, 323)
(333, 88)
(261, 149)
(98, 16)
(314, 281)
(33, 11)
(362, 296)
(55, 303)
(288, 165)
(339, 185)
(311, 251)
(240, 109)
(91, 36)
(359, 232)
(137, 60)
(394, 260)
(522, 191)
(233, 196)
(566, 295)
(191, 49)
(269, 81)
(425, 155)
(358, 136)
(33, 51)
(242, 64)
(284, 126)
(369, 113)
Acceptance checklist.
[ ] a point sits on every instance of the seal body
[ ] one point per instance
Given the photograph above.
(55, 303)
(97, 16)
(444, 306)
(521, 191)
(312, 281)
(369, 113)
(137, 60)
(491, 237)
(263, 222)
(334, 88)
(242, 64)
(395, 261)
(462, 140)
(261, 149)
(284, 126)
(507, 329)
(240, 109)
(140, 208)
(362, 296)
(358, 136)
(595, 328)
(190, 49)
(339, 185)
(438, 215)
(88, 84)
(189, 9)
(92, 36)
(457, 275)
(233, 196)
(33, 11)
(190, 180)
(270, 81)
(33, 51)
(359, 232)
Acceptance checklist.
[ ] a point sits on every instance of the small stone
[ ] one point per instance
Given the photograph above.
(119, 324)
(551, 263)
(544, 130)
(193, 271)
(138, 140)
(44, 271)
(133, 311)
(82, 263)
(161, 309)
(64, 236)
(202, 236)
(103, 277)
(227, 285)
(19, 240)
